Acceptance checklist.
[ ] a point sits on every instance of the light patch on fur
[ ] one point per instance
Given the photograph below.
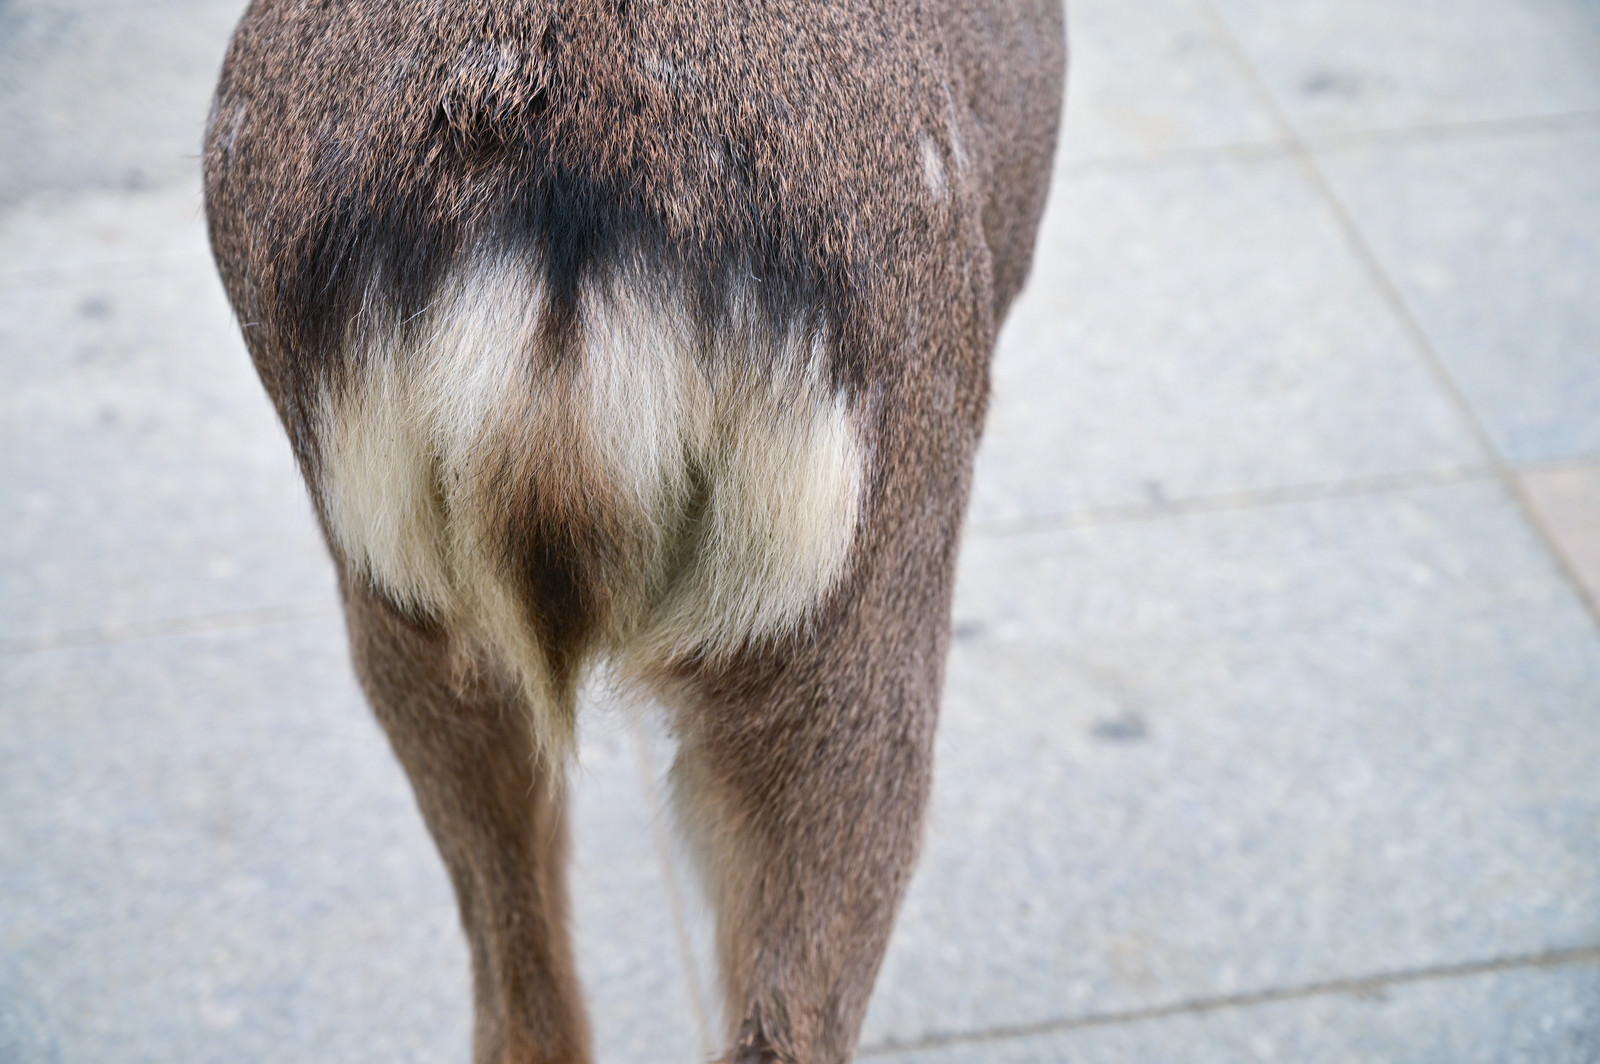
(235, 123)
(932, 164)
(735, 473)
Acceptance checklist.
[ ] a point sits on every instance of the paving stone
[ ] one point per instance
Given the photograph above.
(1347, 65)
(106, 95)
(1245, 750)
(55, 236)
(211, 854)
(1527, 1016)
(1495, 244)
(1196, 330)
(1567, 501)
(1151, 78)
(142, 468)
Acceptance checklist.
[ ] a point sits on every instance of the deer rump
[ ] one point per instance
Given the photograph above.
(654, 490)
(657, 332)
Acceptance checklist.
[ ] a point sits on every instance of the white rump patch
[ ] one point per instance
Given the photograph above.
(738, 471)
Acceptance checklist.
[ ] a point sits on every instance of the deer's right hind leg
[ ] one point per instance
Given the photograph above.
(498, 820)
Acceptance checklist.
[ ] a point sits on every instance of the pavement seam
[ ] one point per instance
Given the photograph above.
(1364, 985)
(1256, 151)
(1228, 502)
(1248, 151)
(1584, 463)
(1471, 129)
(231, 620)
(1390, 293)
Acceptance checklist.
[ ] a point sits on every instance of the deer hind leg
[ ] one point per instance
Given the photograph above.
(801, 779)
(496, 813)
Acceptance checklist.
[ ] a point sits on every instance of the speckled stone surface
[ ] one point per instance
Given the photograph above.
(1196, 330)
(1357, 65)
(1153, 81)
(105, 94)
(144, 474)
(1495, 245)
(1252, 749)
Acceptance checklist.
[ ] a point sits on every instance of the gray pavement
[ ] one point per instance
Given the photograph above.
(1273, 717)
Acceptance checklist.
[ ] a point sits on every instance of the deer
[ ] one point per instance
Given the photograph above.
(651, 337)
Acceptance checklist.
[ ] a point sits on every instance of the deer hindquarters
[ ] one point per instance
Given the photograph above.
(655, 334)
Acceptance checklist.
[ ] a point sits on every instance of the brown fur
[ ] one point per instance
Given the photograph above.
(865, 178)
